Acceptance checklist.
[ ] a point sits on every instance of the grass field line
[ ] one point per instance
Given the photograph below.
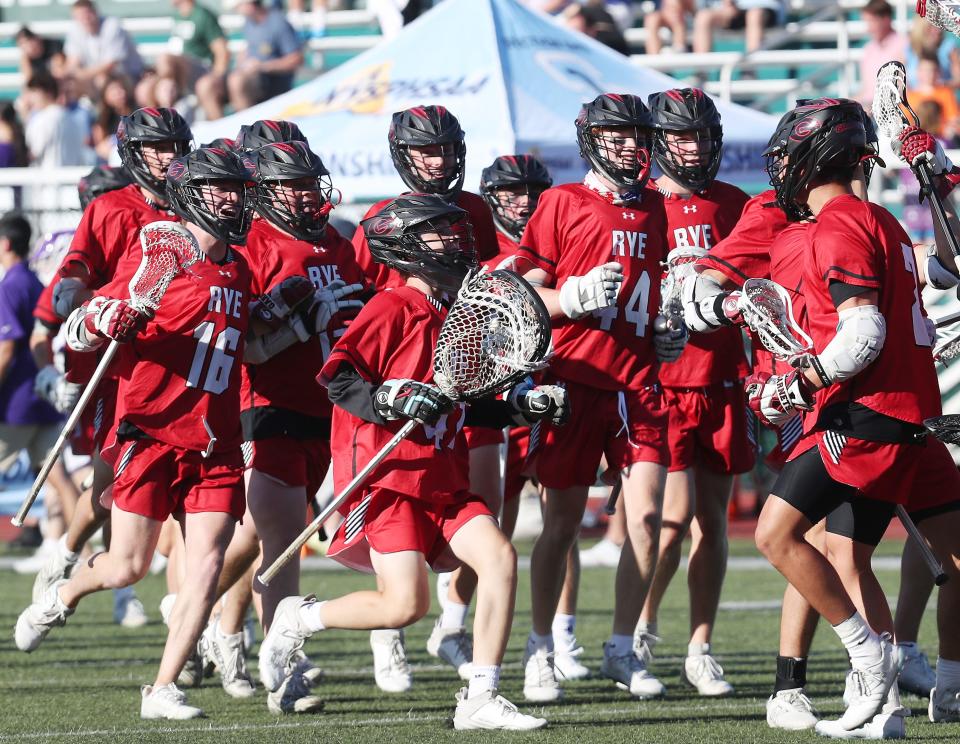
(325, 721)
(740, 563)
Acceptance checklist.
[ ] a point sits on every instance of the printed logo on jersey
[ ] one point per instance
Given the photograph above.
(629, 215)
(693, 236)
(628, 243)
(321, 276)
(688, 208)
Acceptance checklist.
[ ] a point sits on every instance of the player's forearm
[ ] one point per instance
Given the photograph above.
(41, 347)
(221, 57)
(551, 300)
(287, 63)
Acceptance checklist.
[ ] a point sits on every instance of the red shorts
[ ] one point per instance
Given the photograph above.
(156, 480)
(628, 426)
(97, 420)
(391, 522)
(919, 476)
(482, 436)
(711, 426)
(517, 463)
(294, 462)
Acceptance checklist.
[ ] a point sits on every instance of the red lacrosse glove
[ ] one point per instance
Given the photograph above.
(115, 319)
(915, 146)
(776, 399)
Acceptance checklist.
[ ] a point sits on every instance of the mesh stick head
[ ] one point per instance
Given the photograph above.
(890, 100)
(947, 352)
(680, 265)
(944, 14)
(496, 333)
(944, 428)
(168, 249)
(767, 310)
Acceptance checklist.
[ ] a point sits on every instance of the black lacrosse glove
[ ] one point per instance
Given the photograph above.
(396, 399)
(533, 403)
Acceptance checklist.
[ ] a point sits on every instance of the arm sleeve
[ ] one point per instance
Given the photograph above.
(348, 390)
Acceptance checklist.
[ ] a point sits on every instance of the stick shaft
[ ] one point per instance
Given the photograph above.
(68, 428)
(948, 319)
(939, 577)
(358, 480)
(611, 506)
(925, 177)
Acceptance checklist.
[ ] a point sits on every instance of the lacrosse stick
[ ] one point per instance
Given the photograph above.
(610, 508)
(496, 333)
(939, 576)
(941, 13)
(679, 267)
(168, 249)
(768, 312)
(947, 351)
(890, 109)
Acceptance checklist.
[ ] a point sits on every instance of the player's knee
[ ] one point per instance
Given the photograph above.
(768, 540)
(644, 528)
(406, 609)
(502, 561)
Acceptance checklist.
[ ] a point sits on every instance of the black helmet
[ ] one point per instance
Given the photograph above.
(224, 143)
(150, 125)
(395, 237)
(188, 183)
(423, 126)
(686, 110)
(289, 161)
(819, 135)
(99, 181)
(267, 132)
(616, 110)
(511, 171)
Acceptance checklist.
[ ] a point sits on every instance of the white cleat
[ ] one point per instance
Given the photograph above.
(128, 611)
(294, 696)
(312, 674)
(391, 671)
(630, 673)
(491, 711)
(226, 652)
(40, 617)
(539, 678)
(453, 646)
(566, 660)
(166, 607)
(58, 566)
(944, 705)
(643, 645)
(706, 675)
(916, 675)
(881, 726)
(605, 554)
(869, 687)
(791, 710)
(286, 636)
(166, 701)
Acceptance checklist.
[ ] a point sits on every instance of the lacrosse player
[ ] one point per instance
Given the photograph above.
(703, 390)
(597, 247)
(307, 280)
(252, 137)
(106, 246)
(176, 446)
(417, 507)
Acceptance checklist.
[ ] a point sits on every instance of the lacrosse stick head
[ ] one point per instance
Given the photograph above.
(496, 333)
(890, 108)
(940, 13)
(768, 311)
(945, 428)
(680, 266)
(947, 352)
(168, 250)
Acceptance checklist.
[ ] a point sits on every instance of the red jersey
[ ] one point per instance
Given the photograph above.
(289, 379)
(180, 377)
(394, 337)
(699, 221)
(484, 234)
(575, 229)
(862, 244)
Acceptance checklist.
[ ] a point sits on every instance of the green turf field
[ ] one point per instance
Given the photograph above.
(82, 685)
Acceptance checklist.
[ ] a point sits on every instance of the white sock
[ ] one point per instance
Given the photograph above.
(619, 645)
(563, 625)
(948, 674)
(68, 554)
(310, 616)
(454, 615)
(862, 644)
(483, 679)
(535, 642)
(698, 649)
(647, 626)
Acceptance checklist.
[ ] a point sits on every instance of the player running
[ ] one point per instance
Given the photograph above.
(709, 434)
(176, 447)
(419, 510)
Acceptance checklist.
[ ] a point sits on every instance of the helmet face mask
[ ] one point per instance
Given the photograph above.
(148, 140)
(428, 150)
(614, 135)
(511, 187)
(209, 188)
(687, 136)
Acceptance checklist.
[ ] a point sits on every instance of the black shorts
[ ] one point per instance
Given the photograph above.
(805, 484)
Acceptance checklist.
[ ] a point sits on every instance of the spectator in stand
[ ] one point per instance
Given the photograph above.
(38, 54)
(115, 101)
(885, 45)
(930, 87)
(169, 94)
(51, 140)
(623, 12)
(752, 15)
(925, 41)
(13, 144)
(273, 55)
(98, 46)
(198, 57)
(594, 21)
(673, 14)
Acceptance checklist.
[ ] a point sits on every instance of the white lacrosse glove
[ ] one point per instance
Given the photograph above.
(51, 385)
(595, 290)
(534, 403)
(326, 303)
(938, 275)
(915, 146)
(777, 399)
(670, 337)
